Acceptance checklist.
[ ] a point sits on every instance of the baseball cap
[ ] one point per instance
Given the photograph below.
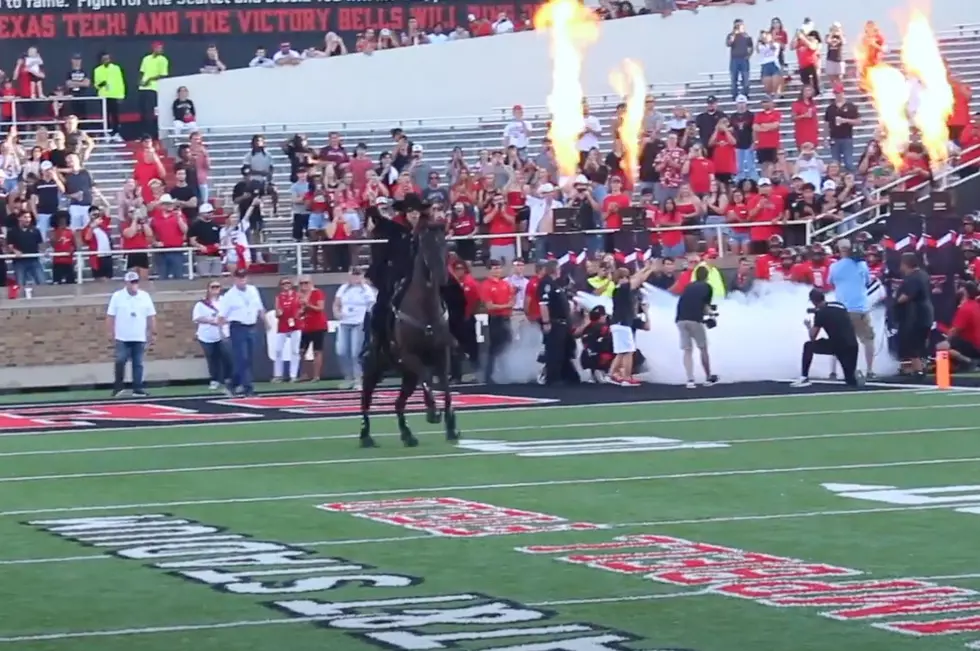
(76, 55)
(546, 187)
(131, 277)
(741, 99)
(240, 273)
(381, 201)
(764, 181)
(206, 209)
(829, 186)
(166, 199)
(581, 179)
(712, 99)
(46, 165)
(417, 149)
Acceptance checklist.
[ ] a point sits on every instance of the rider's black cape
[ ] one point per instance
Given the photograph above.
(391, 260)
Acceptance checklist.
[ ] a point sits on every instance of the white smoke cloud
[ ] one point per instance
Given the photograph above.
(759, 337)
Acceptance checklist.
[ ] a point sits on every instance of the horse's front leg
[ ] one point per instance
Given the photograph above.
(452, 432)
(372, 375)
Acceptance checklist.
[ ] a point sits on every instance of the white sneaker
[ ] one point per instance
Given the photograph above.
(691, 384)
(357, 386)
(276, 380)
(214, 386)
(542, 378)
(802, 382)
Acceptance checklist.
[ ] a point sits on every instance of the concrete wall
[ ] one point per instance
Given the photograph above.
(439, 80)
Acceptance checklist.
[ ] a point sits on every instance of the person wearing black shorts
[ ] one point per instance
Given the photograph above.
(766, 156)
(913, 314)
(138, 261)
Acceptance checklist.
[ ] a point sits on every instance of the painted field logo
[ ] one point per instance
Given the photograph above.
(904, 605)
(962, 499)
(339, 403)
(239, 565)
(573, 447)
(453, 517)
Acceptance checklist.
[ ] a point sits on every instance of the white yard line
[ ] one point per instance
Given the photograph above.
(495, 486)
(551, 405)
(444, 455)
(520, 428)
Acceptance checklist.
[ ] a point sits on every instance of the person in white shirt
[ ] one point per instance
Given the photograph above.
(541, 219)
(286, 56)
(212, 334)
(518, 132)
(353, 301)
(503, 25)
(519, 282)
(260, 60)
(809, 167)
(241, 308)
(591, 130)
(131, 324)
(234, 244)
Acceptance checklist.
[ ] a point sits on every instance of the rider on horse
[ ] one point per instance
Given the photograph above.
(391, 264)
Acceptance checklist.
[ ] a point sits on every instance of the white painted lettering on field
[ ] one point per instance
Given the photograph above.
(196, 549)
(909, 496)
(495, 612)
(314, 608)
(415, 641)
(570, 447)
(317, 583)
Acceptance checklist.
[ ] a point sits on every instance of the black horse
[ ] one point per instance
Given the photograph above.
(420, 340)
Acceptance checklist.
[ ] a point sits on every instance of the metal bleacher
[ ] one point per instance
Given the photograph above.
(111, 163)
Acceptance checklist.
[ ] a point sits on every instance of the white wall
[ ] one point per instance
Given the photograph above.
(438, 80)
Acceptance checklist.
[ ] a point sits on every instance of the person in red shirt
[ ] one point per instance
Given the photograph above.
(963, 338)
(148, 167)
(738, 213)
(960, 117)
(768, 264)
(288, 333)
(337, 230)
(875, 256)
(764, 207)
(806, 118)
(63, 250)
(813, 271)
(970, 147)
(870, 50)
(137, 235)
(500, 219)
(312, 324)
(169, 232)
(7, 96)
(699, 170)
(532, 308)
(723, 155)
(671, 241)
(808, 56)
(498, 297)
(765, 128)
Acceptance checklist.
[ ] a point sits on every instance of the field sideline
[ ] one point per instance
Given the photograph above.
(570, 520)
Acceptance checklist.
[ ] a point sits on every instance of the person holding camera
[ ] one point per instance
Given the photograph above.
(841, 341)
(851, 278)
(695, 314)
(555, 316)
(913, 312)
(624, 310)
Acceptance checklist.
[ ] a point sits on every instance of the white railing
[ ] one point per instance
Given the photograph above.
(874, 211)
(21, 118)
(297, 248)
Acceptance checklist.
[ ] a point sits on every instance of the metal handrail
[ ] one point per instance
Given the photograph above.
(79, 257)
(14, 102)
(888, 186)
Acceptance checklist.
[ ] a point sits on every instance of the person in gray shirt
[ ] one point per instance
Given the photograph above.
(79, 188)
(418, 168)
(260, 162)
(740, 46)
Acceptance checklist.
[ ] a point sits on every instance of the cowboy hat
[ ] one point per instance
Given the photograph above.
(412, 201)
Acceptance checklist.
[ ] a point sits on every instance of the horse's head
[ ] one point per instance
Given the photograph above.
(432, 249)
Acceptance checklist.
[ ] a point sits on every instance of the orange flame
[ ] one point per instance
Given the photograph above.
(572, 28)
(631, 84)
(922, 59)
(890, 94)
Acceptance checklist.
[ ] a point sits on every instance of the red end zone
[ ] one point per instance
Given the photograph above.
(188, 411)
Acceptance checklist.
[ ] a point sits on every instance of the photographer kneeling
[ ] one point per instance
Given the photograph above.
(841, 342)
(695, 314)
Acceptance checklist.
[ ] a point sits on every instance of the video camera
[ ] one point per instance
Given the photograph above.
(711, 317)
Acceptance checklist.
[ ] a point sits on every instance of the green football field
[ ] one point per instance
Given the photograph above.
(810, 522)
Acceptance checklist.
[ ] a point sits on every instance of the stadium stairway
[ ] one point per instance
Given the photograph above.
(111, 163)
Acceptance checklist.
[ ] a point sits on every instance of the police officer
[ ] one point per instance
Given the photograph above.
(555, 314)
(841, 341)
(391, 261)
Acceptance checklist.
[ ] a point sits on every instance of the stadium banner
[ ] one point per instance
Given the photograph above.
(126, 28)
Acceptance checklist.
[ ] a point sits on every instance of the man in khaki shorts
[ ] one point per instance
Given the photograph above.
(851, 280)
(692, 307)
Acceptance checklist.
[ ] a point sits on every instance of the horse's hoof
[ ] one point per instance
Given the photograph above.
(410, 441)
(368, 442)
(453, 436)
(433, 417)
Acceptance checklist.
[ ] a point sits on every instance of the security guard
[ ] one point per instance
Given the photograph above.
(111, 85)
(498, 296)
(241, 308)
(555, 315)
(154, 66)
